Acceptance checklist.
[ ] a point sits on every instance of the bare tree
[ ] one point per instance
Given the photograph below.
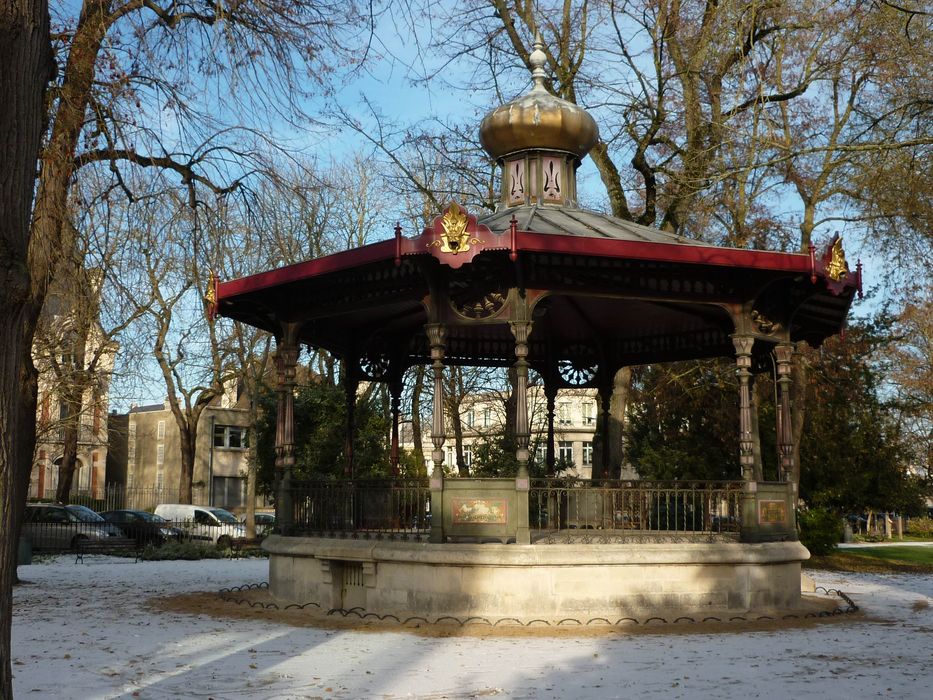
(26, 57)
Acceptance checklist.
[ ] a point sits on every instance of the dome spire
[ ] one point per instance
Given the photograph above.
(539, 140)
(538, 59)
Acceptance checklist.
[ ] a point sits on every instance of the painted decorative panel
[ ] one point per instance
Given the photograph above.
(480, 511)
(772, 512)
(516, 170)
(551, 180)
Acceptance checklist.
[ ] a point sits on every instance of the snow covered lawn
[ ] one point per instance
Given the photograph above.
(85, 631)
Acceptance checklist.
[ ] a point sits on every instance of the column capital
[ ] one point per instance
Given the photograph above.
(437, 334)
(521, 330)
(784, 354)
(743, 344)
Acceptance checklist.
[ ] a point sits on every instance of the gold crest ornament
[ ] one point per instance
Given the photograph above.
(210, 295)
(455, 238)
(837, 267)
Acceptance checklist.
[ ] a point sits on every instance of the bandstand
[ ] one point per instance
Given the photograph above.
(574, 295)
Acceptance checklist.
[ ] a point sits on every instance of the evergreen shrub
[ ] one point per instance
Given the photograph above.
(920, 527)
(820, 530)
(181, 550)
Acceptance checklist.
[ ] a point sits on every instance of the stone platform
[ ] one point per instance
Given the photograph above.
(548, 582)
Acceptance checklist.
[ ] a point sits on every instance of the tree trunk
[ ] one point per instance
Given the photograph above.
(252, 465)
(620, 388)
(416, 436)
(66, 471)
(26, 57)
(187, 438)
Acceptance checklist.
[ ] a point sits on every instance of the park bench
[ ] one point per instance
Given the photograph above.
(240, 546)
(111, 545)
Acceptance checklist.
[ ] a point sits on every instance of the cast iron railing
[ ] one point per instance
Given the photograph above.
(362, 507)
(703, 507)
(402, 507)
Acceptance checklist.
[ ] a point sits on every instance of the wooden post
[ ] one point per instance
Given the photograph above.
(286, 360)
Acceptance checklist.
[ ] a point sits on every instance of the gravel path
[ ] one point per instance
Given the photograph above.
(87, 631)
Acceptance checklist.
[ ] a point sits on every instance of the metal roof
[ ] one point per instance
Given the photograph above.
(571, 221)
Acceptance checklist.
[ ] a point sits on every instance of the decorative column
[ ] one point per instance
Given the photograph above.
(286, 360)
(521, 330)
(437, 336)
(351, 384)
(784, 354)
(743, 362)
(550, 393)
(395, 391)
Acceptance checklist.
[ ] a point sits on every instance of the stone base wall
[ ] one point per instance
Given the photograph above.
(549, 582)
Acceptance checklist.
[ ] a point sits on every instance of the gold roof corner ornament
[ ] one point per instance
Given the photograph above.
(210, 295)
(837, 268)
(455, 238)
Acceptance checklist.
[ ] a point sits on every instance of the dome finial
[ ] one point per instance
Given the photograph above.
(538, 59)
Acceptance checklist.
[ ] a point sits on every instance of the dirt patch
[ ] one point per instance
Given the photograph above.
(259, 605)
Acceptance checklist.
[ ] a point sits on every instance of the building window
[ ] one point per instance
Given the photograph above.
(487, 417)
(130, 478)
(231, 436)
(468, 455)
(541, 454)
(160, 431)
(160, 480)
(229, 492)
(589, 413)
(565, 452)
(563, 413)
(587, 454)
(470, 418)
(160, 454)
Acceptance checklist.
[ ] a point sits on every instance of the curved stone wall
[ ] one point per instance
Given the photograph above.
(549, 582)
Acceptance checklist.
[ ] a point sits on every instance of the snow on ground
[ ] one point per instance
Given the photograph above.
(84, 631)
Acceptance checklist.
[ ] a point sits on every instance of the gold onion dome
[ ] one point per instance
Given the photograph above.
(538, 120)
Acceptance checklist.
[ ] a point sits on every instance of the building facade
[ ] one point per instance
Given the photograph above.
(74, 358)
(153, 453)
(483, 418)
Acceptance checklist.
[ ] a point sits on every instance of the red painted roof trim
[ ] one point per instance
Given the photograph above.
(525, 241)
(663, 252)
(364, 255)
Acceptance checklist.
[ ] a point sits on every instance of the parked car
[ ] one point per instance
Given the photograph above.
(145, 528)
(54, 526)
(86, 515)
(265, 522)
(204, 523)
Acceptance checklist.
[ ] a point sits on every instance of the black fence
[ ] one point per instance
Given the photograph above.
(688, 507)
(400, 507)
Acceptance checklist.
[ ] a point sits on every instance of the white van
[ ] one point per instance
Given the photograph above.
(204, 523)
